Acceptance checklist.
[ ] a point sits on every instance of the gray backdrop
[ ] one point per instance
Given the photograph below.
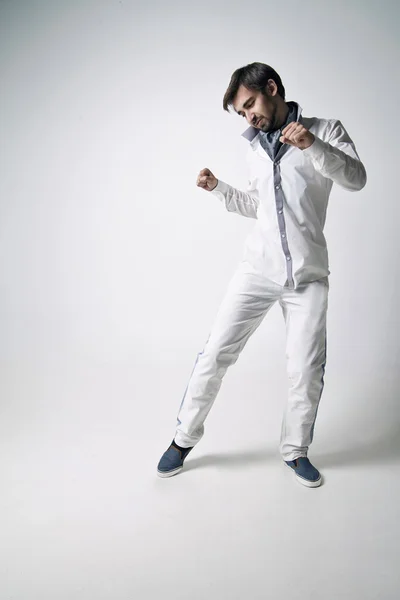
(112, 267)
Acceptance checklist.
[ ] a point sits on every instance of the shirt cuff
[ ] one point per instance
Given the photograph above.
(220, 187)
(316, 150)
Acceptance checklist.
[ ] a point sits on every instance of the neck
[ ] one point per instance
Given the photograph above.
(283, 114)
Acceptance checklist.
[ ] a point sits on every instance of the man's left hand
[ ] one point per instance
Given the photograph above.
(297, 135)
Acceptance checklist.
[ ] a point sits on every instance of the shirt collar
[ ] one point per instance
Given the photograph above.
(251, 132)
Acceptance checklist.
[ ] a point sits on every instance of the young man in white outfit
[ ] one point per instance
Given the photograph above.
(293, 163)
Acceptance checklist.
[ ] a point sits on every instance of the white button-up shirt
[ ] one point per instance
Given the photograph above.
(289, 198)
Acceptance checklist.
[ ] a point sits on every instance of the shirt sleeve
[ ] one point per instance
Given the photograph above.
(243, 203)
(337, 159)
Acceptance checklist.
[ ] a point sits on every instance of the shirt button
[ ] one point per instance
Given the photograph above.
(283, 235)
(277, 187)
(280, 212)
(288, 258)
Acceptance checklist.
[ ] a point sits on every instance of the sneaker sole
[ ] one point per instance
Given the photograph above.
(169, 473)
(303, 481)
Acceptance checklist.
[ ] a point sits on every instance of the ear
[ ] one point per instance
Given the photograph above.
(271, 88)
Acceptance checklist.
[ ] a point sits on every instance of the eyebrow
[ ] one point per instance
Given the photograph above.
(244, 105)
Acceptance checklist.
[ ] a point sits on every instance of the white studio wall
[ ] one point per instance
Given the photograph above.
(113, 263)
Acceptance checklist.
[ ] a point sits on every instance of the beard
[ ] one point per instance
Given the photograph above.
(272, 123)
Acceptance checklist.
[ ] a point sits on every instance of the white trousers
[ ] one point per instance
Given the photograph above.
(248, 298)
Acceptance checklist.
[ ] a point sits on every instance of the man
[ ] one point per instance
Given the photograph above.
(293, 163)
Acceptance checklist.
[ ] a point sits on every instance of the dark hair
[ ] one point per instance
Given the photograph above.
(254, 77)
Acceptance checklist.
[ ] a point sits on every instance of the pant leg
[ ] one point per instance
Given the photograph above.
(247, 300)
(305, 314)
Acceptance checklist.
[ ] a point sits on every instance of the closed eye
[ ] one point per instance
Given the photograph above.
(248, 106)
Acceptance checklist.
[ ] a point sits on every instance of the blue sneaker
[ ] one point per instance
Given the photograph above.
(171, 461)
(305, 472)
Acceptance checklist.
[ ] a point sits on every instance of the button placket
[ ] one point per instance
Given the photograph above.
(279, 200)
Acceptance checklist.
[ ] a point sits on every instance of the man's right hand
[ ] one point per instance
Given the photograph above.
(206, 180)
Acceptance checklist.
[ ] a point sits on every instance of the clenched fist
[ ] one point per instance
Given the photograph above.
(206, 180)
(297, 135)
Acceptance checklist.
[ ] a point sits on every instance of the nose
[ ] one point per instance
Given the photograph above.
(251, 119)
